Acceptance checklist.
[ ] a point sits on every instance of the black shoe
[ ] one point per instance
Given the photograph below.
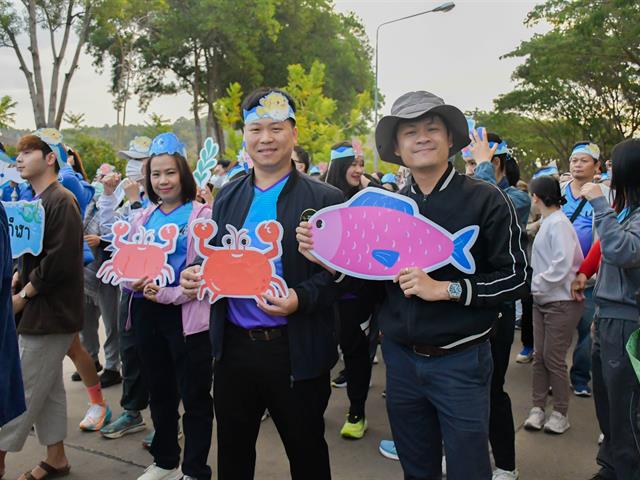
(601, 475)
(109, 378)
(75, 376)
(340, 381)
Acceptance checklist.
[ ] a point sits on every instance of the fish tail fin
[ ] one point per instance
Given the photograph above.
(463, 240)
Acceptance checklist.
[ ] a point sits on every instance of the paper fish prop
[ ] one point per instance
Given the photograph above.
(377, 233)
(8, 173)
(141, 257)
(237, 269)
(26, 227)
(206, 162)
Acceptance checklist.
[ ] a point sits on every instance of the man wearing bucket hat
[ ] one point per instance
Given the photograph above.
(436, 326)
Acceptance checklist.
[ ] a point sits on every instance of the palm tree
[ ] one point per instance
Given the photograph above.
(7, 115)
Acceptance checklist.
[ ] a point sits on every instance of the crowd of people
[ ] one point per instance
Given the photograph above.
(557, 258)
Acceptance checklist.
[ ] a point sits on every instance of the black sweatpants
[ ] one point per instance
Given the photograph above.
(526, 322)
(355, 346)
(251, 376)
(175, 366)
(501, 429)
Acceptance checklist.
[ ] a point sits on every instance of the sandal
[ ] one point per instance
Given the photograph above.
(51, 472)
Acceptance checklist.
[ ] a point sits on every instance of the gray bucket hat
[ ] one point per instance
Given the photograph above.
(414, 105)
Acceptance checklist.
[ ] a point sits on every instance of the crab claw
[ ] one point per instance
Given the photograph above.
(269, 232)
(204, 229)
(121, 228)
(168, 232)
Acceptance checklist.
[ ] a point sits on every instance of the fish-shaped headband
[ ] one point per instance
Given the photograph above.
(548, 170)
(502, 148)
(53, 138)
(342, 152)
(588, 148)
(167, 143)
(388, 178)
(273, 105)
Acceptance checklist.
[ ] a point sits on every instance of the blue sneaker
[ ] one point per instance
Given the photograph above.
(387, 449)
(582, 390)
(525, 355)
(127, 422)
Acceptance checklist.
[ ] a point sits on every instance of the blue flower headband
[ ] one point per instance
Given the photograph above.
(588, 148)
(342, 152)
(167, 143)
(274, 105)
(53, 138)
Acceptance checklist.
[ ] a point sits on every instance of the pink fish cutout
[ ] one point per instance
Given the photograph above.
(377, 233)
(141, 256)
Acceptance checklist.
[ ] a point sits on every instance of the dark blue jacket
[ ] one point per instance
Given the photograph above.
(12, 401)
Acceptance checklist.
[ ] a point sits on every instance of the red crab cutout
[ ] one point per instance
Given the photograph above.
(141, 257)
(236, 269)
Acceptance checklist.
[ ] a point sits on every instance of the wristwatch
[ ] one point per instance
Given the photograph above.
(455, 291)
(23, 295)
(135, 205)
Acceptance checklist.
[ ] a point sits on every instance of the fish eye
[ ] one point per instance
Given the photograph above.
(319, 224)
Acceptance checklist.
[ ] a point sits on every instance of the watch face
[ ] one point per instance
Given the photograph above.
(455, 290)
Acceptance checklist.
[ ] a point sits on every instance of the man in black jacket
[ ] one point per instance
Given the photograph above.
(275, 354)
(436, 326)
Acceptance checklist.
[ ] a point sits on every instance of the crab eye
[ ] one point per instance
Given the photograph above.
(226, 241)
(319, 224)
(244, 241)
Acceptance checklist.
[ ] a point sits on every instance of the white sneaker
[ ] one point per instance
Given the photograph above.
(535, 421)
(601, 439)
(499, 474)
(557, 423)
(96, 417)
(154, 472)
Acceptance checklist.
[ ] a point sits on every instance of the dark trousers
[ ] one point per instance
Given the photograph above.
(501, 430)
(176, 366)
(254, 375)
(135, 396)
(355, 347)
(616, 391)
(436, 399)
(526, 322)
(580, 372)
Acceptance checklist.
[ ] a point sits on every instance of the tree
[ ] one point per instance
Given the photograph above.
(55, 17)
(94, 152)
(76, 120)
(318, 125)
(156, 125)
(585, 71)
(7, 115)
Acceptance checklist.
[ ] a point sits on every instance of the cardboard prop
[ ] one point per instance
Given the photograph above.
(238, 270)
(141, 257)
(8, 173)
(26, 227)
(206, 162)
(377, 233)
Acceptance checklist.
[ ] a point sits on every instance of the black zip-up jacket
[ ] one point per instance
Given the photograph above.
(311, 329)
(502, 270)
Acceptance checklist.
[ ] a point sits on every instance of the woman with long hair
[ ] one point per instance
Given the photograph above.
(615, 387)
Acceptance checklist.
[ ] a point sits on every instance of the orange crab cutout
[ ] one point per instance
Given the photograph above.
(238, 270)
(141, 257)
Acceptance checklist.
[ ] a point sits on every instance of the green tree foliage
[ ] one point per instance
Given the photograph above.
(7, 115)
(94, 151)
(156, 125)
(319, 126)
(585, 72)
(76, 120)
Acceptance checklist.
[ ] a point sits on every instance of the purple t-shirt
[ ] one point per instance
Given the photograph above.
(244, 312)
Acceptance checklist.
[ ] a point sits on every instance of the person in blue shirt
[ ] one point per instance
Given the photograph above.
(584, 164)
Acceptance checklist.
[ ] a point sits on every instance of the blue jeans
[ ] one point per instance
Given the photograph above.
(580, 373)
(436, 399)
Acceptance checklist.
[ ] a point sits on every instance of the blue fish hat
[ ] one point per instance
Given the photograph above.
(167, 144)
(53, 139)
(274, 105)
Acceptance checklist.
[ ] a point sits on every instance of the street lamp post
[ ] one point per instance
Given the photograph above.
(445, 7)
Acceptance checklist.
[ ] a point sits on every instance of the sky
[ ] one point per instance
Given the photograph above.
(455, 55)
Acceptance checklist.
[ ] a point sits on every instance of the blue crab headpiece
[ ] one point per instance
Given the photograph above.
(167, 143)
